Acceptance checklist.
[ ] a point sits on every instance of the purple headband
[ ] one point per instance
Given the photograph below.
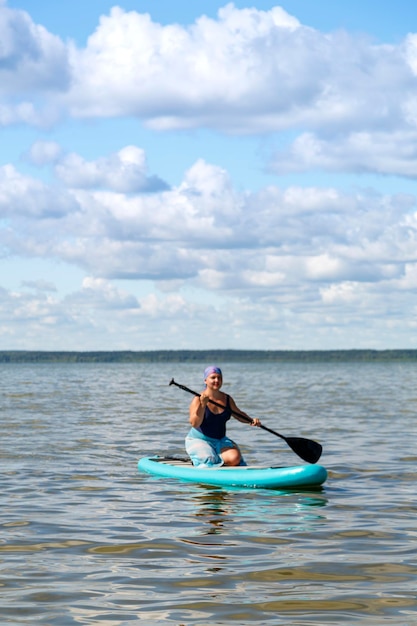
(212, 369)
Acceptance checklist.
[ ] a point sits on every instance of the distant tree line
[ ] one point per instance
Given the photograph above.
(220, 356)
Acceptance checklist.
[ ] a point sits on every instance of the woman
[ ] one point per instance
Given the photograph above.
(206, 443)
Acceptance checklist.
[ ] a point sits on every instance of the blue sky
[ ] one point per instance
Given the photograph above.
(208, 175)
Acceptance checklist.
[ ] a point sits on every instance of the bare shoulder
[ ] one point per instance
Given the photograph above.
(231, 400)
(196, 400)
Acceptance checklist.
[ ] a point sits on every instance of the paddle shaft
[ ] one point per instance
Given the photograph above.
(305, 448)
(237, 413)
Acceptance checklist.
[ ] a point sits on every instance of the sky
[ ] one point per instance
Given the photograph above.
(208, 175)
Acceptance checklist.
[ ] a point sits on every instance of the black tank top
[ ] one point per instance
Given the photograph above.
(214, 424)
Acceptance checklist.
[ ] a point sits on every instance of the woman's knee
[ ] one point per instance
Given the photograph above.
(231, 456)
(201, 454)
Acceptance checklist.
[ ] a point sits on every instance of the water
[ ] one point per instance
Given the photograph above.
(86, 539)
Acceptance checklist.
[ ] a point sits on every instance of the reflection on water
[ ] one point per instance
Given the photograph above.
(85, 539)
(217, 507)
(212, 509)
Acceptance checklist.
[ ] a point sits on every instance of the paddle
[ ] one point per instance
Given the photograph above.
(306, 449)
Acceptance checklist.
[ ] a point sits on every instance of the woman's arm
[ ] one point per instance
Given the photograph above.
(255, 421)
(197, 408)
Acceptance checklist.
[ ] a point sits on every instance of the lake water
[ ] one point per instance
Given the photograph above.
(86, 539)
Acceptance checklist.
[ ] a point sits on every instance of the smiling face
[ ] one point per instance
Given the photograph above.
(214, 381)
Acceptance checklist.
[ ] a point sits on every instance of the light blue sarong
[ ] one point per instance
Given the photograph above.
(205, 451)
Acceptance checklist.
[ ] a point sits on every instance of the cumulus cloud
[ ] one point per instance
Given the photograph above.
(206, 233)
(351, 316)
(245, 71)
(97, 309)
(43, 153)
(387, 153)
(34, 65)
(178, 76)
(31, 58)
(28, 198)
(124, 171)
(323, 255)
(98, 293)
(83, 316)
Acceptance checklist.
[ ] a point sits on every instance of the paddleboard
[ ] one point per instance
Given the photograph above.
(246, 477)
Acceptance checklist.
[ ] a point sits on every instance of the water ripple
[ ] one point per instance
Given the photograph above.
(87, 540)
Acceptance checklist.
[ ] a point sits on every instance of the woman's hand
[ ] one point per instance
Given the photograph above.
(204, 400)
(256, 422)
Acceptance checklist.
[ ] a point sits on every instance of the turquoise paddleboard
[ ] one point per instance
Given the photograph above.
(250, 476)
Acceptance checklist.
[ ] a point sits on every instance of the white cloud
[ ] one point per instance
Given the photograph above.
(162, 308)
(176, 76)
(34, 65)
(43, 153)
(98, 293)
(252, 71)
(21, 113)
(247, 71)
(342, 293)
(124, 171)
(383, 152)
(287, 260)
(206, 231)
(31, 58)
(26, 198)
(102, 317)
(97, 310)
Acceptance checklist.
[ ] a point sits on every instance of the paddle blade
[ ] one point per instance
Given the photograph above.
(306, 449)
